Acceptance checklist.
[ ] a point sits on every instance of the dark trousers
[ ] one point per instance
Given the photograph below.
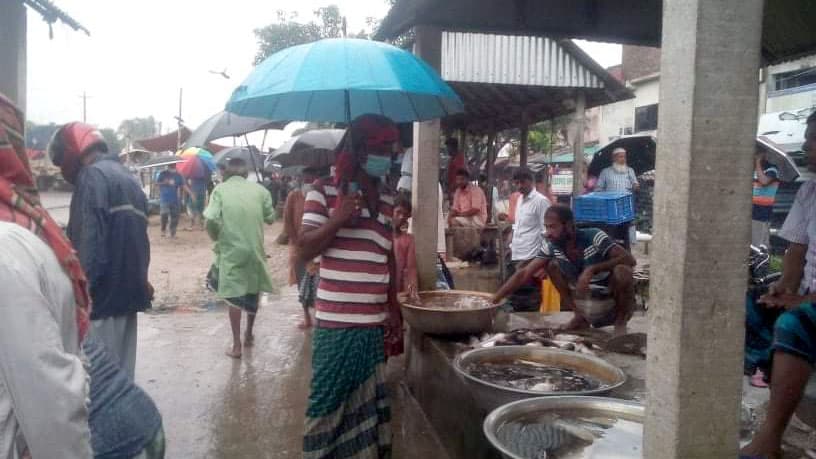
(170, 212)
(528, 297)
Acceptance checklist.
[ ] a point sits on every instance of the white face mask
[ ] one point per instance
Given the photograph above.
(620, 168)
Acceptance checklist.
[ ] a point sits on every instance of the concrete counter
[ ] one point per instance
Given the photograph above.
(452, 409)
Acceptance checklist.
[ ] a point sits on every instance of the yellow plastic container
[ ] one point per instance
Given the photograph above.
(550, 298)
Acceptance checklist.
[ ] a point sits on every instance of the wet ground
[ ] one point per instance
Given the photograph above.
(217, 407)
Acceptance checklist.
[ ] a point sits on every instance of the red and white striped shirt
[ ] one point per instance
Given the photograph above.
(354, 277)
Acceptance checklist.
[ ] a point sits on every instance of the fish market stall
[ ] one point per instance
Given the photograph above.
(457, 405)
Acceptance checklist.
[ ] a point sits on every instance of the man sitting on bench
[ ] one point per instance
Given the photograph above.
(574, 259)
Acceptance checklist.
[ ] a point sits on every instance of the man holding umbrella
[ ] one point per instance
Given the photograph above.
(347, 223)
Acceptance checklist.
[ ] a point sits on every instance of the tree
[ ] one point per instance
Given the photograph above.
(288, 32)
(114, 144)
(37, 136)
(136, 129)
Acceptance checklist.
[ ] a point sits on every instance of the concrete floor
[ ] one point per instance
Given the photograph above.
(217, 407)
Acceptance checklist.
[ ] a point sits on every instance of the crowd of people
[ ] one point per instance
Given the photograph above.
(351, 254)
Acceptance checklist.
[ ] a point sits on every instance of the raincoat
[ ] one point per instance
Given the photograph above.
(235, 217)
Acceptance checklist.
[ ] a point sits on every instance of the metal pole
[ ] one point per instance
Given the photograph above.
(178, 131)
(578, 166)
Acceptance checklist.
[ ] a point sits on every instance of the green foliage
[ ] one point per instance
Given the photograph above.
(287, 32)
(136, 129)
(37, 136)
(114, 144)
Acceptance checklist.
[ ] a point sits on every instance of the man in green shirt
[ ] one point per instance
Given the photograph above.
(235, 217)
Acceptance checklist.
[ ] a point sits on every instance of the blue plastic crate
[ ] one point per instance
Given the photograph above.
(610, 207)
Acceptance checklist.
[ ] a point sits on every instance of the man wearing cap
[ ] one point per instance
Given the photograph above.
(108, 227)
(619, 176)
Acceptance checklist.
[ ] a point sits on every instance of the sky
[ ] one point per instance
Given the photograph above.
(141, 52)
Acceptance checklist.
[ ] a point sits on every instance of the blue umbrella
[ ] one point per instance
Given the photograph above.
(338, 79)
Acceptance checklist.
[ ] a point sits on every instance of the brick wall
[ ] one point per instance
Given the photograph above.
(638, 61)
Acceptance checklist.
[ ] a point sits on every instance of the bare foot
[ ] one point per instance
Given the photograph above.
(249, 340)
(758, 451)
(234, 354)
(577, 323)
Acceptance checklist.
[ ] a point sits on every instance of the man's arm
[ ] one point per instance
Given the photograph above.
(634, 180)
(213, 216)
(268, 208)
(617, 256)
(521, 277)
(601, 184)
(764, 176)
(315, 237)
(47, 384)
(93, 208)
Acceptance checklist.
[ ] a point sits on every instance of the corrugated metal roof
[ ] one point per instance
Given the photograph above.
(517, 60)
(787, 31)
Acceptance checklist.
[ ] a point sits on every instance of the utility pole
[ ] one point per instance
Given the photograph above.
(84, 97)
(180, 121)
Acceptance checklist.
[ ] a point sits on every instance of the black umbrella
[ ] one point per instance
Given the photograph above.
(640, 154)
(225, 124)
(775, 154)
(250, 155)
(312, 148)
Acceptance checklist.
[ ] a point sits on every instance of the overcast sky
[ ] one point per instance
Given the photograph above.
(141, 52)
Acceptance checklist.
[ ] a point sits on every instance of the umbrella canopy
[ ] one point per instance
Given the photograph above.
(338, 79)
(250, 155)
(312, 148)
(159, 161)
(776, 155)
(225, 124)
(640, 155)
(197, 163)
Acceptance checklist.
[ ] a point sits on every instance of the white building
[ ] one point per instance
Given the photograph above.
(788, 90)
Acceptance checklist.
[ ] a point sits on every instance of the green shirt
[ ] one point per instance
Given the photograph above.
(235, 217)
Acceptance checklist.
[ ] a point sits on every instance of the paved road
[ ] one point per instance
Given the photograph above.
(216, 407)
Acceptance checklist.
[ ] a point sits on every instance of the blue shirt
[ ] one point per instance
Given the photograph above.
(169, 184)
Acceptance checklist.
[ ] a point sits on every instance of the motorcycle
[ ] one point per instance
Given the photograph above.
(759, 319)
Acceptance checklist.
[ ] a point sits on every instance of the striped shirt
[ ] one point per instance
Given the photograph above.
(593, 245)
(764, 196)
(800, 228)
(612, 180)
(354, 276)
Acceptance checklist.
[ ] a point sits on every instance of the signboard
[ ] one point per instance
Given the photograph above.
(562, 183)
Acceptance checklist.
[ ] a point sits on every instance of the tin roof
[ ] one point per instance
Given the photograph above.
(787, 25)
(505, 80)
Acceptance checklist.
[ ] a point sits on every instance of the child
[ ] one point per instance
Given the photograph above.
(404, 250)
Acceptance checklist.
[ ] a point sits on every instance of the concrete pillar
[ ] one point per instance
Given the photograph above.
(708, 106)
(578, 166)
(490, 170)
(525, 133)
(425, 186)
(13, 51)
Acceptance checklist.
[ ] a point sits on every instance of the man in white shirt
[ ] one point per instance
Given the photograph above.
(794, 344)
(528, 236)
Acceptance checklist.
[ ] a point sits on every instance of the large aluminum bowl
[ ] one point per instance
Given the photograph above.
(524, 409)
(490, 395)
(445, 319)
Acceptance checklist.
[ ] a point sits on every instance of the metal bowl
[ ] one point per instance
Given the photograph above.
(444, 319)
(536, 406)
(490, 395)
